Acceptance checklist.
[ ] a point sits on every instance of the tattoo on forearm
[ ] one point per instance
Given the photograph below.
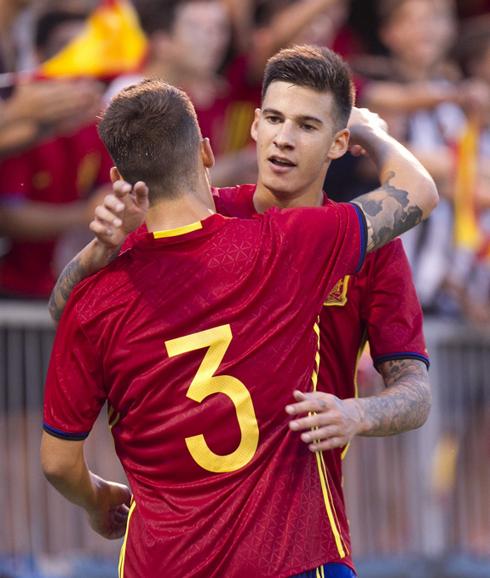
(404, 404)
(71, 275)
(388, 214)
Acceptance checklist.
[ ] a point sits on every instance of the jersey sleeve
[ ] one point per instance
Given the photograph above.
(325, 243)
(393, 313)
(74, 392)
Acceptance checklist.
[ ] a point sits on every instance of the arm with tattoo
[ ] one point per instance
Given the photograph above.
(91, 258)
(402, 406)
(121, 212)
(407, 194)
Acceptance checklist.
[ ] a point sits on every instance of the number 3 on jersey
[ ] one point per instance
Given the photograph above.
(204, 384)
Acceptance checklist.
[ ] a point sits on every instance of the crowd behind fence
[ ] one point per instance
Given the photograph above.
(418, 501)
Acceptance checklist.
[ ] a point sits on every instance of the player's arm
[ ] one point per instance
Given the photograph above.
(403, 406)
(122, 211)
(407, 194)
(106, 503)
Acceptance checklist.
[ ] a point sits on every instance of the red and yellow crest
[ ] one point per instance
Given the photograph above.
(338, 295)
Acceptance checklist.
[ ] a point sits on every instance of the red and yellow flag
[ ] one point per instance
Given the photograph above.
(467, 234)
(110, 44)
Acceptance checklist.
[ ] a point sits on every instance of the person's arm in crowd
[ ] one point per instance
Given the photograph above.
(404, 405)
(283, 29)
(409, 97)
(35, 221)
(407, 194)
(412, 96)
(39, 109)
(241, 13)
(122, 212)
(106, 503)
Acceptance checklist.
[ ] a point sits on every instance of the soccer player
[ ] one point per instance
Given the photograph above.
(197, 337)
(378, 302)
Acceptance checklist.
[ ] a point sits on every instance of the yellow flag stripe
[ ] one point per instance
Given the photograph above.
(467, 234)
(111, 43)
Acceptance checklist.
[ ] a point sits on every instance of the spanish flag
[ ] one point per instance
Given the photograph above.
(110, 44)
(467, 234)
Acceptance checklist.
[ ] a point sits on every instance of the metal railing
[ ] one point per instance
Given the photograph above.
(420, 496)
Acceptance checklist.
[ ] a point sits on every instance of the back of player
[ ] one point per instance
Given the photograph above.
(197, 337)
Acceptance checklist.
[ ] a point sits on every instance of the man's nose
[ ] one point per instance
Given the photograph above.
(284, 137)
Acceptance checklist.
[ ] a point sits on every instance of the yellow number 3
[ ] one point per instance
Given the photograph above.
(205, 383)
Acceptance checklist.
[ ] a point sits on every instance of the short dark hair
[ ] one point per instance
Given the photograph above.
(151, 132)
(314, 67)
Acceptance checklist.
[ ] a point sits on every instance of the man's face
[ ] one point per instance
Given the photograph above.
(201, 34)
(420, 31)
(296, 138)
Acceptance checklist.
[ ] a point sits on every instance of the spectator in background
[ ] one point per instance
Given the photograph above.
(31, 111)
(189, 42)
(44, 191)
(469, 277)
(415, 88)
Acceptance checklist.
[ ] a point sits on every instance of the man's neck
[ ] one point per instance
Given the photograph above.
(180, 211)
(265, 199)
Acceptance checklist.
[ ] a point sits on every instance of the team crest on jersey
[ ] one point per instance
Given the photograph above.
(338, 295)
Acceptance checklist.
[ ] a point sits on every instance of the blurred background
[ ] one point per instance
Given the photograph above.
(419, 503)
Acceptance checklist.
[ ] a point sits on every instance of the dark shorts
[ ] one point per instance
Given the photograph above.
(328, 571)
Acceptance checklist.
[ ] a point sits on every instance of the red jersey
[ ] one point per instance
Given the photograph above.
(59, 171)
(378, 304)
(197, 337)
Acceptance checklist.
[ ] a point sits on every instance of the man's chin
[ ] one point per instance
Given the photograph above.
(279, 186)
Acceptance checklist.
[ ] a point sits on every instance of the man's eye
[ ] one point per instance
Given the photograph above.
(273, 119)
(309, 127)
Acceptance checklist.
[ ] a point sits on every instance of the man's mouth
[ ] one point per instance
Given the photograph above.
(281, 162)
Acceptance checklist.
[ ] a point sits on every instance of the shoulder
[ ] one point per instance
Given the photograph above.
(98, 292)
(235, 201)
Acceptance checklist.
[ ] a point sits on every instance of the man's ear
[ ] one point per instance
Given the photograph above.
(207, 154)
(340, 144)
(254, 127)
(115, 175)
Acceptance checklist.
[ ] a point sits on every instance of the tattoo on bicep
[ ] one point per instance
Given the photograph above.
(71, 275)
(388, 213)
(405, 403)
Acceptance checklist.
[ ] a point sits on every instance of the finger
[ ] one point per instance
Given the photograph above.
(106, 216)
(113, 203)
(101, 229)
(121, 188)
(310, 421)
(330, 444)
(312, 402)
(356, 150)
(142, 192)
(301, 407)
(121, 515)
(320, 434)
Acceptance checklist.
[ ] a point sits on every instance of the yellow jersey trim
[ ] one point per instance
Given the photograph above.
(327, 498)
(320, 572)
(360, 351)
(122, 555)
(178, 231)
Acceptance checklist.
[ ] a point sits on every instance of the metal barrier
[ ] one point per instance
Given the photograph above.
(415, 499)
(426, 493)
